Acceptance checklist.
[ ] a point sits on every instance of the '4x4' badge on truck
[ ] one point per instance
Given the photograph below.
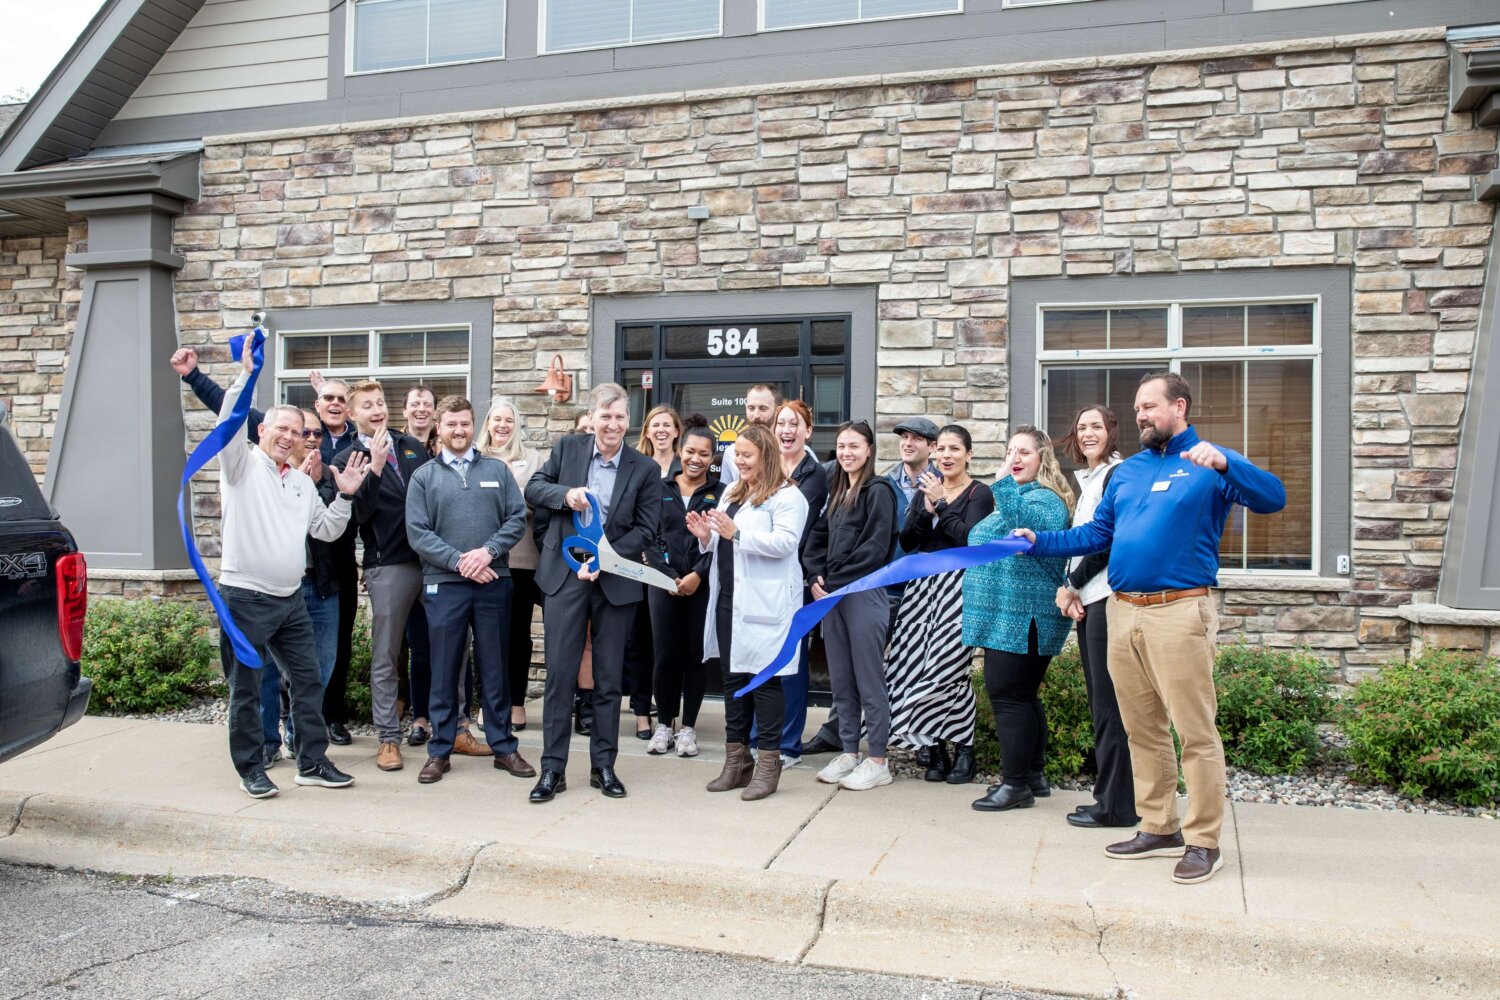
(23, 565)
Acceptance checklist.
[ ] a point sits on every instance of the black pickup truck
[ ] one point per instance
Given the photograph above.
(43, 599)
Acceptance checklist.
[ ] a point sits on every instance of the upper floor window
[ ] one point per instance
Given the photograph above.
(1254, 369)
(398, 34)
(569, 25)
(776, 14)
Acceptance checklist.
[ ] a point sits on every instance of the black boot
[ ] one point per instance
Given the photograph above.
(962, 771)
(924, 756)
(939, 764)
(583, 711)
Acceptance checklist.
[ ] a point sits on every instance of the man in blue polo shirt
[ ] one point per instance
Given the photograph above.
(1161, 518)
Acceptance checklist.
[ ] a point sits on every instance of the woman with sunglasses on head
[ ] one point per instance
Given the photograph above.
(677, 619)
(755, 585)
(1093, 444)
(660, 432)
(855, 536)
(1008, 611)
(932, 700)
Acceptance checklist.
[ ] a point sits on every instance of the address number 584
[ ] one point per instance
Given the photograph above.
(732, 342)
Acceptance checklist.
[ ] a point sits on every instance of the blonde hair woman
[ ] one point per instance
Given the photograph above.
(660, 432)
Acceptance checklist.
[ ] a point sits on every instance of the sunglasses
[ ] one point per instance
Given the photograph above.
(329, 397)
(312, 434)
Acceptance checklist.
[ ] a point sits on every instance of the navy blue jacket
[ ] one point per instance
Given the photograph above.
(1162, 517)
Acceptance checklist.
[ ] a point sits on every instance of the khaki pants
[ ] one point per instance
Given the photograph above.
(1161, 659)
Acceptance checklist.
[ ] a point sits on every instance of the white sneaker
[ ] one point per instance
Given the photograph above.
(661, 740)
(838, 768)
(866, 776)
(687, 742)
(787, 763)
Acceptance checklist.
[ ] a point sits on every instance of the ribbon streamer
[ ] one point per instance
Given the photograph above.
(903, 570)
(218, 439)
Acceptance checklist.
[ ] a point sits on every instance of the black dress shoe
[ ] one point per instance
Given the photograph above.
(605, 779)
(1006, 797)
(819, 745)
(1082, 817)
(1040, 786)
(548, 785)
(418, 735)
(643, 734)
(338, 735)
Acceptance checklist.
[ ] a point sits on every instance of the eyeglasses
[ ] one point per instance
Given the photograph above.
(329, 397)
(312, 434)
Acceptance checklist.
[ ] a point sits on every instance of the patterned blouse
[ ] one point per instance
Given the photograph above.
(1002, 599)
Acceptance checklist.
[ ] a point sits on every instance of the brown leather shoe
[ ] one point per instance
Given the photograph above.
(737, 768)
(514, 764)
(466, 744)
(1198, 864)
(434, 770)
(388, 757)
(1148, 845)
(764, 778)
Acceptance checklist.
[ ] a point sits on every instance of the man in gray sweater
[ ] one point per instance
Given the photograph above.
(463, 514)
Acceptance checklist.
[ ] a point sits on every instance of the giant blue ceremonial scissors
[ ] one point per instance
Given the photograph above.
(590, 539)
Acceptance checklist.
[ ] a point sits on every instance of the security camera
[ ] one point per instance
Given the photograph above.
(258, 319)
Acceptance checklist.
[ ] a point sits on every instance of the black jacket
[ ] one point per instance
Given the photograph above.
(634, 507)
(324, 557)
(675, 551)
(812, 482)
(847, 544)
(953, 520)
(380, 503)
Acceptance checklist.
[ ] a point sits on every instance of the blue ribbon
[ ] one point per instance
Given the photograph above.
(221, 437)
(903, 570)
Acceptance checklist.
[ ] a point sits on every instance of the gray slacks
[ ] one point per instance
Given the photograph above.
(854, 641)
(393, 591)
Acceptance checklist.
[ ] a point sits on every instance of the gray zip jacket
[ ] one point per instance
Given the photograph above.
(448, 514)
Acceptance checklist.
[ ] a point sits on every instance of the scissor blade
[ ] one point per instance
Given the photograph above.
(610, 562)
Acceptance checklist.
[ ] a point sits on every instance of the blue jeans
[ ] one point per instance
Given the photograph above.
(323, 612)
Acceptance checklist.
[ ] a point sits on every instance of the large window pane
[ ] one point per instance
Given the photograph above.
(1075, 329)
(1137, 329)
(638, 342)
(447, 347)
(1279, 325)
(441, 385)
(389, 34)
(657, 20)
(1068, 390)
(583, 24)
(463, 30)
(828, 336)
(741, 341)
(1213, 326)
(305, 352)
(793, 13)
(348, 350)
(401, 349)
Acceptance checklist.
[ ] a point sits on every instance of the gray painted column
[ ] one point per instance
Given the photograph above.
(116, 456)
(1471, 557)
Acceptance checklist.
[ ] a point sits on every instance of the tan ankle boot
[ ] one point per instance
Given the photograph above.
(767, 774)
(737, 765)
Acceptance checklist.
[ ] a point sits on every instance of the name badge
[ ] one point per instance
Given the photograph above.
(432, 588)
(519, 463)
(1162, 486)
(490, 484)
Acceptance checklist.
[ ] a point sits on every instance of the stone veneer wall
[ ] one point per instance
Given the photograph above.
(938, 192)
(38, 309)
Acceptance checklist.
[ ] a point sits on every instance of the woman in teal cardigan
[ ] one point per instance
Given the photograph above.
(1009, 612)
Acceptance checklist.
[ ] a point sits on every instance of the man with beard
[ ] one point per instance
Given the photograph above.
(1161, 518)
(760, 408)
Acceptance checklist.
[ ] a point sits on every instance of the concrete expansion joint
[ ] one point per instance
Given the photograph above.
(14, 822)
(1100, 930)
(458, 884)
(817, 933)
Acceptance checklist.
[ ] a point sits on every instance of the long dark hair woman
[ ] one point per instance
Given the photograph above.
(1009, 613)
(677, 619)
(755, 587)
(1093, 445)
(932, 701)
(855, 536)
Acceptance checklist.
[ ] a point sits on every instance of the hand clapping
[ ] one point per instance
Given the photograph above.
(931, 485)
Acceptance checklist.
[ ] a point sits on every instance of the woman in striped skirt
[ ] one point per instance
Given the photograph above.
(932, 702)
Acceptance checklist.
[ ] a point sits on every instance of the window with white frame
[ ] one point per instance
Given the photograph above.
(398, 358)
(1254, 370)
(570, 25)
(400, 34)
(776, 14)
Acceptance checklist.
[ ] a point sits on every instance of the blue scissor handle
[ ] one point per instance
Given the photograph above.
(589, 535)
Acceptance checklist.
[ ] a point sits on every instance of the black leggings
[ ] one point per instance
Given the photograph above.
(677, 636)
(1012, 681)
(524, 598)
(765, 707)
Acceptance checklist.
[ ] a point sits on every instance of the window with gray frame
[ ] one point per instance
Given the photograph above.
(398, 34)
(777, 14)
(1270, 379)
(570, 25)
(398, 358)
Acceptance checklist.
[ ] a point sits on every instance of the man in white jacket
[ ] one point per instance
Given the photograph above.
(270, 509)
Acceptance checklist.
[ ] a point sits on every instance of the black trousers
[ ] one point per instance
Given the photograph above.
(765, 707)
(640, 660)
(524, 599)
(1114, 790)
(452, 612)
(419, 661)
(577, 608)
(677, 640)
(338, 681)
(279, 628)
(1012, 681)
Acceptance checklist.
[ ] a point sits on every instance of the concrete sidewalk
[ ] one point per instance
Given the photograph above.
(904, 879)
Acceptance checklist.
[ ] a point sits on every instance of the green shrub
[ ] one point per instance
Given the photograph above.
(1429, 728)
(1270, 704)
(1070, 737)
(357, 691)
(148, 656)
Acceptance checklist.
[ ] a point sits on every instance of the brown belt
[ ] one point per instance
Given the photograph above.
(1160, 596)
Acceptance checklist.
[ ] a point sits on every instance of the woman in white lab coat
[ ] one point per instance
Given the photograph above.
(755, 586)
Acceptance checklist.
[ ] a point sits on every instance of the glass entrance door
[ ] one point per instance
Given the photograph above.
(721, 401)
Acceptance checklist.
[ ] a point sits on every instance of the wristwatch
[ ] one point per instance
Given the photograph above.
(346, 496)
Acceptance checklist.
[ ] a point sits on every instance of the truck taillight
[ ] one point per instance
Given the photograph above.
(72, 602)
